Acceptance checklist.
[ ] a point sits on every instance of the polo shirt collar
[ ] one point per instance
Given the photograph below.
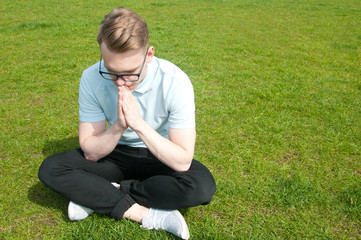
(147, 84)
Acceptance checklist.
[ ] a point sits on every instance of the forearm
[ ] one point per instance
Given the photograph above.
(98, 146)
(176, 152)
(168, 152)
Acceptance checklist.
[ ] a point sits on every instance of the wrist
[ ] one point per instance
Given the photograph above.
(118, 128)
(139, 126)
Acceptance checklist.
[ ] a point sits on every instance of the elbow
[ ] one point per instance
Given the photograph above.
(184, 164)
(90, 157)
(88, 154)
(183, 167)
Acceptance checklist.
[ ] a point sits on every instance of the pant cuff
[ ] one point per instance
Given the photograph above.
(123, 205)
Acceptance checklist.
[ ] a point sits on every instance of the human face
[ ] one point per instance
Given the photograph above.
(129, 77)
(129, 68)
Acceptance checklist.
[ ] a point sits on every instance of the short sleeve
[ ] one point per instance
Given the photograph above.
(181, 103)
(89, 107)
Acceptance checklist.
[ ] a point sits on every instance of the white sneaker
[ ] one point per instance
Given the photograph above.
(78, 212)
(167, 220)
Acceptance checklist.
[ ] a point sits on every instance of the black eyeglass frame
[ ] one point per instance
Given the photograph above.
(122, 76)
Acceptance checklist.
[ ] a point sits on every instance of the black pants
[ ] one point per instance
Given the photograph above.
(143, 179)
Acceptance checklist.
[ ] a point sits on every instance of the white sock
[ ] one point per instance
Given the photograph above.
(168, 220)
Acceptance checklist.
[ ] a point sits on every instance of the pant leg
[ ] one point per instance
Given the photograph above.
(179, 190)
(85, 182)
(88, 183)
(165, 188)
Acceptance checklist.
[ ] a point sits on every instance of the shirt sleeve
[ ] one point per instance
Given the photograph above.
(181, 103)
(89, 107)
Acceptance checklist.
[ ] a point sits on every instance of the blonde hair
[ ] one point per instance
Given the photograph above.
(122, 30)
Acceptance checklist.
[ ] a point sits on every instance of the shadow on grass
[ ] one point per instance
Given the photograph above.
(59, 146)
(351, 200)
(42, 195)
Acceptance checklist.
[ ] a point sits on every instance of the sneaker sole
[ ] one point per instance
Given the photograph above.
(186, 234)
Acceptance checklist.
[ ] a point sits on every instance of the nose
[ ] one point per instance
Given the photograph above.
(119, 82)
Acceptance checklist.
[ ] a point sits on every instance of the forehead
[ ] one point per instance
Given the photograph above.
(120, 62)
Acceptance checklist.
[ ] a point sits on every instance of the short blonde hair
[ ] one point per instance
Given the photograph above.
(122, 30)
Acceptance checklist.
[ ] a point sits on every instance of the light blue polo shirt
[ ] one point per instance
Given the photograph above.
(165, 98)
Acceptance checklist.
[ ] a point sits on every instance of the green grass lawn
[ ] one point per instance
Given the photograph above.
(278, 97)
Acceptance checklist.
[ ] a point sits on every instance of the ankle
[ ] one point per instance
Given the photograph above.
(136, 213)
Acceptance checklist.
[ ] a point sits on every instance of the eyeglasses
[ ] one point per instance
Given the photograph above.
(125, 77)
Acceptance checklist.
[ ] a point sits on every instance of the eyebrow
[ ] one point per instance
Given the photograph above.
(127, 71)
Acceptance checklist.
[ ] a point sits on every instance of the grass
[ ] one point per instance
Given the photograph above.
(277, 85)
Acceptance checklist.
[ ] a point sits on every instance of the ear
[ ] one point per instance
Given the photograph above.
(150, 54)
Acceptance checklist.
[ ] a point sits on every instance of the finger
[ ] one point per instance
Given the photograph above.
(126, 97)
(120, 98)
(120, 91)
(120, 94)
(120, 102)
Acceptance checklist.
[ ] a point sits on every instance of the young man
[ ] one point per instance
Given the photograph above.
(141, 166)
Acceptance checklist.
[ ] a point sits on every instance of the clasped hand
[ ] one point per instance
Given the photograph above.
(128, 109)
